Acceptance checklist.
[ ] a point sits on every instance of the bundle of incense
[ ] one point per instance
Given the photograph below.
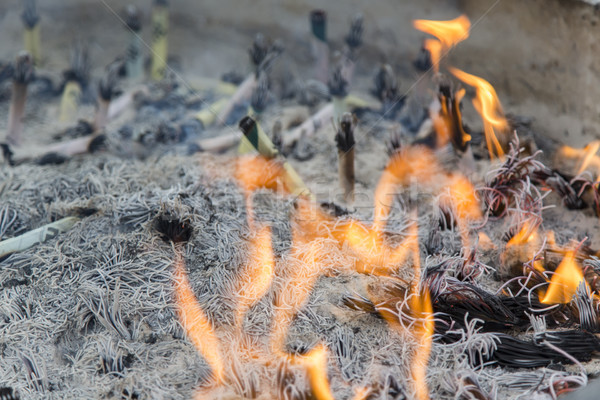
(106, 90)
(344, 140)
(134, 64)
(31, 35)
(318, 28)
(39, 235)
(76, 77)
(353, 42)
(338, 88)
(262, 55)
(160, 32)
(23, 74)
(255, 139)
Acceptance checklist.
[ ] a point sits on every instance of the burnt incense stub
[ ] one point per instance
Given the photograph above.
(344, 137)
(132, 18)
(337, 84)
(23, 70)
(30, 15)
(354, 39)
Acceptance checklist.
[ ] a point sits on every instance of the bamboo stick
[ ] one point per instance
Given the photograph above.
(160, 42)
(134, 63)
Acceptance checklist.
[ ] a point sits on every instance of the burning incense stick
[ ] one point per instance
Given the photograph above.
(76, 77)
(344, 139)
(133, 58)
(106, 89)
(31, 35)
(160, 32)
(318, 28)
(22, 76)
(36, 236)
(256, 139)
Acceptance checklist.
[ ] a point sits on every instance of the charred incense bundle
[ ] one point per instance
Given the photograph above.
(255, 138)
(134, 63)
(318, 28)
(386, 90)
(344, 139)
(353, 40)
(23, 74)
(262, 54)
(106, 91)
(75, 80)
(31, 19)
(160, 42)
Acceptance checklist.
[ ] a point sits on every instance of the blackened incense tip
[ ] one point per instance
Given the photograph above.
(132, 18)
(318, 24)
(354, 39)
(386, 85)
(344, 137)
(30, 16)
(108, 82)
(23, 72)
(247, 124)
(260, 96)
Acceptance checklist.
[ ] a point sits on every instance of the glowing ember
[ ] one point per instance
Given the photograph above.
(197, 327)
(448, 33)
(258, 274)
(564, 282)
(488, 106)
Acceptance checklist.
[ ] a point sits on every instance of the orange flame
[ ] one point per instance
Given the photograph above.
(197, 327)
(488, 106)
(587, 157)
(563, 285)
(258, 273)
(315, 363)
(449, 32)
(528, 242)
(256, 172)
(421, 308)
(434, 47)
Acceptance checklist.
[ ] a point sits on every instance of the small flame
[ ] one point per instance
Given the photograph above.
(315, 363)
(422, 309)
(564, 282)
(256, 172)
(258, 274)
(434, 47)
(587, 156)
(449, 32)
(527, 242)
(197, 326)
(488, 106)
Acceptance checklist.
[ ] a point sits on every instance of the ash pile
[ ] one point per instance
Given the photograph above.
(273, 235)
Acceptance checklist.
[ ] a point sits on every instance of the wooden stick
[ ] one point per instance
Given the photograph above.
(220, 143)
(318, 27)
(22, 76)
(160, 32)
(31, 35)
(243, 93)
(344, 139)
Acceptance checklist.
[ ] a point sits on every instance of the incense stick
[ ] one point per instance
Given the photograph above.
(31, 34)
(133, 58)
(22, 76)
(318, 28)
(338, 88)
(160, 32)
(344, 140)
(36, 236)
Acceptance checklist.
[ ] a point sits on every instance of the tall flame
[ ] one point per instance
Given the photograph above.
(434, 47)
(449, 32)
(563, 285)
(197, 326)
(488, 106)
(258, 273)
